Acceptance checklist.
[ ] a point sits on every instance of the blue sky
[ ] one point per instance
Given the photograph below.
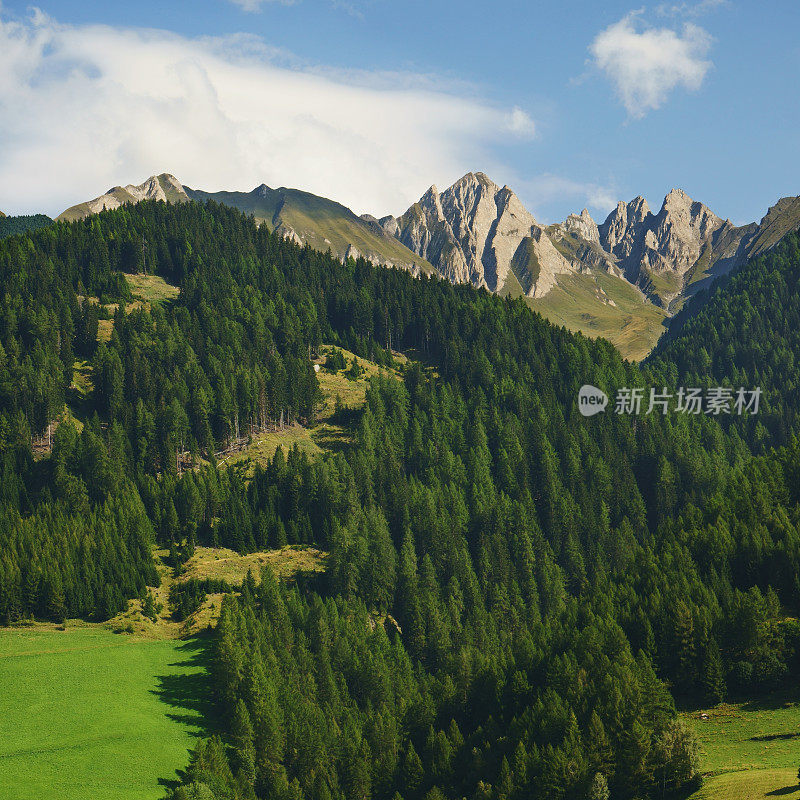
(369, 102)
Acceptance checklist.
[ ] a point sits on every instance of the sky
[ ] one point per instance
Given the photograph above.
(369, 102)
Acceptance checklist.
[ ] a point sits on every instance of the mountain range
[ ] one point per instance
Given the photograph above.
(301, 216)
(621, 279)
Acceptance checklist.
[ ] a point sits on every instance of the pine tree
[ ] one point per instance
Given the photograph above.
(712, 678)
(243, 739)
(599, 788)
(412, 772)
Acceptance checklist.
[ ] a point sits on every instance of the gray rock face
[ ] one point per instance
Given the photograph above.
(578, 239)
(582, 225)
(656, 251)
(157, 187)
(475, 232)
(622, 233)
(681, 228)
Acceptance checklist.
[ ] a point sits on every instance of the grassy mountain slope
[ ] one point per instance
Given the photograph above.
(322, 223)
(597, 304)
(782, 218)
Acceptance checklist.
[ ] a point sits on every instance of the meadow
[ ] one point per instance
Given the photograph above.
(598, 304)
(750, 751)
(85, 712)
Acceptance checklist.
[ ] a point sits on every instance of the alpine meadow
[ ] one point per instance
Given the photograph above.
(464, 503)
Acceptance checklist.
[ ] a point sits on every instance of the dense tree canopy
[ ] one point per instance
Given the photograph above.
(514, 594)
(746, 332)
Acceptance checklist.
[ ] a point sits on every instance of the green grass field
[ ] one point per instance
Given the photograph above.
(750, 751)
(150, 289)
(599, 304)
(89, 713)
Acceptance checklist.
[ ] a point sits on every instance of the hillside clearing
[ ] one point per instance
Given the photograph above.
(219, 563)
(150, 289)
(749, 751)
(97, 714)
(211, 563)
(329, 433)
(147, 291)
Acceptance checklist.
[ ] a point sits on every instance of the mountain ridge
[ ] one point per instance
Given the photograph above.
(324, 224)
(622, 278)
(301, 216)
(157, 187)
(459, 232)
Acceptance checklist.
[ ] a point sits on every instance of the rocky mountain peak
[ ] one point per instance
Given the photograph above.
(582, 225)
(637, 209)
(666, 244)
(476, 232)
(170, 181)
(622, 233)
(677, 196)
(164, 187)
(431, 202)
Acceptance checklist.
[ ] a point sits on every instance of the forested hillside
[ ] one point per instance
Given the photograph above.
(515, 593)
(11, 226)
(746, 332)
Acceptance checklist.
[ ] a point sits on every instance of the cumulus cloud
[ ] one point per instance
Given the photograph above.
(646, 64)
(83, 108)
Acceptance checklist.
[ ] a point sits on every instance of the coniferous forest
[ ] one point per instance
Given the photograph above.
(516, 597)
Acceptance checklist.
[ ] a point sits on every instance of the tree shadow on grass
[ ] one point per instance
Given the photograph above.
(332, 440)
(190, 693)
(772, 702)
(781, 792)
(772, 737)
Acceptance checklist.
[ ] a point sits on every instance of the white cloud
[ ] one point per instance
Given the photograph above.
(255, 5)
(83, 108)
(685, 9)
(646, 64)
(546, 189)
(519, 122)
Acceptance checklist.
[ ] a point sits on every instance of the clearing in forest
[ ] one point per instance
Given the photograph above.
(749, 751)
(81, 709)
(330, 431)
